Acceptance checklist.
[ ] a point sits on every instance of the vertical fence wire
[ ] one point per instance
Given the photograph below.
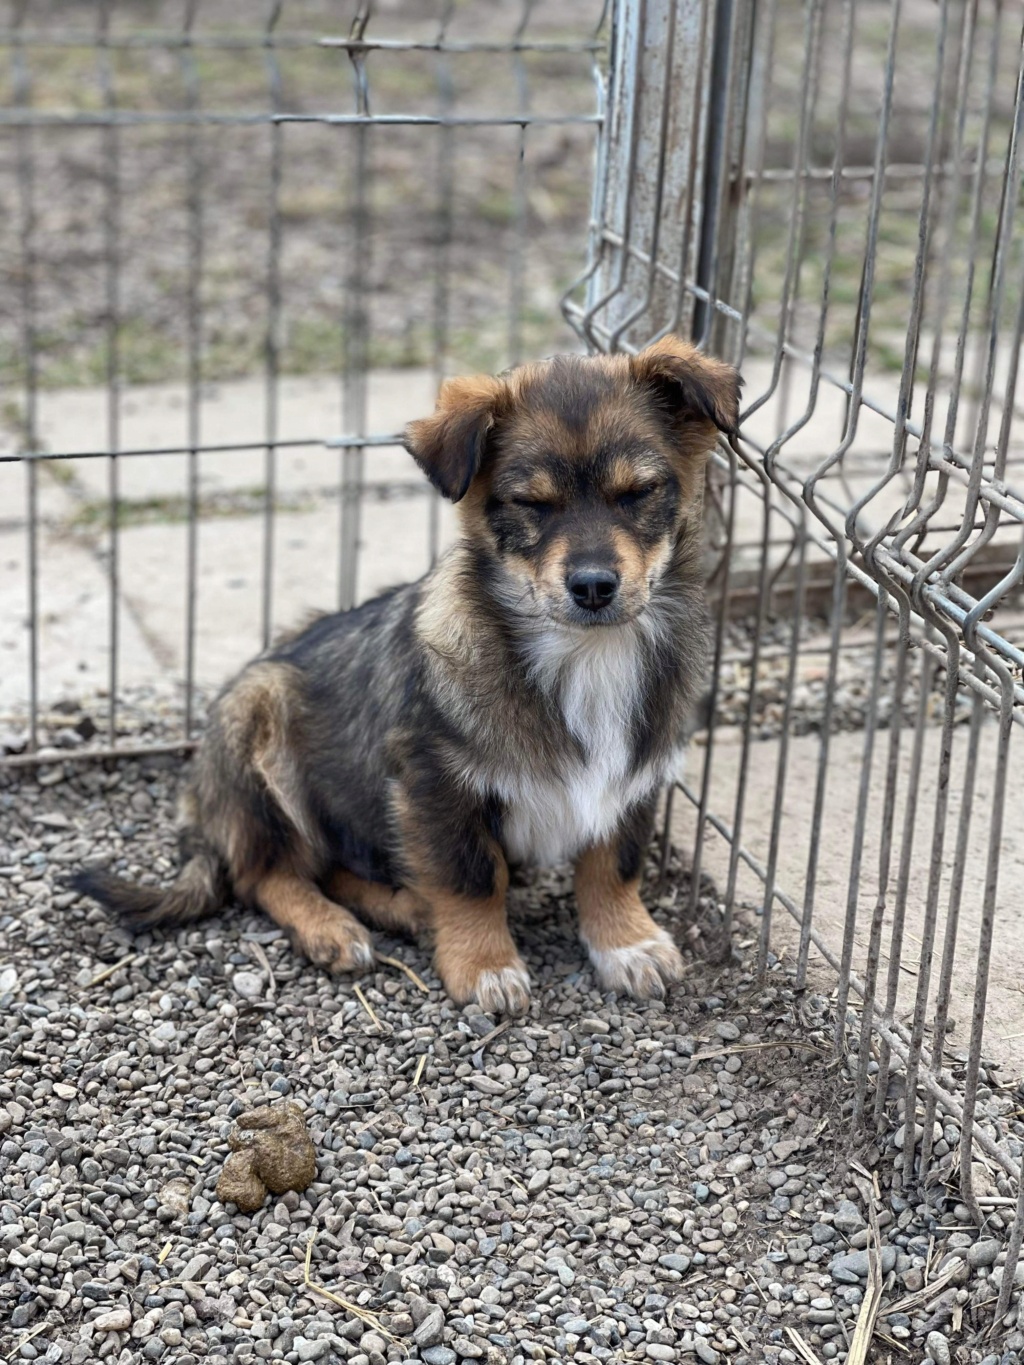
(194, 154)
(661, 152)
(442, 245)
(853, 888)
(28, 418)
(721, 619)
(517, 253)
(355, 321)
(112, 271)
(272, 341)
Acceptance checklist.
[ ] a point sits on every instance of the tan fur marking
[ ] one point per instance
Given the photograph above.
(188, 808)
(689, 460)
(549, 572)
(612, 915)
(256, 718)
(442, 619)
(630, 953)
(327, 934)
(539, 488)
(464, 395)
(631, 563)
(471, 514)
(474, 952)
(541, 431)
(382, 905)
(627, 476)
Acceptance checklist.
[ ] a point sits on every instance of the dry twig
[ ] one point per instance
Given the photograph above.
(384, 1028)
(802, 1348)
(264, 961)
(922, 1296)
(108, 972)
(755, 1047)
(417, 981)
(39, 1327)
(870, 1307)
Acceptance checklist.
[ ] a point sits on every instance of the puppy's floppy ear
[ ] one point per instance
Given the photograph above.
(689, 383)
(449, 445)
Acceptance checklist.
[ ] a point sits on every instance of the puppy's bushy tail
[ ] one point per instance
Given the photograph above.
(200, 888)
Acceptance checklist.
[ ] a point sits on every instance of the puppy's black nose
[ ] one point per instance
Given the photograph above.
(593, 589)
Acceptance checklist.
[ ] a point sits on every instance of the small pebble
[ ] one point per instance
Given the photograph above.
(249, 985)
(983, 1252)
(117, 1320)
(937, 1347)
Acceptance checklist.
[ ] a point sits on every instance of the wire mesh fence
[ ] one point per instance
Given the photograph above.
(212, 209)
(827, 195)
(241, 254)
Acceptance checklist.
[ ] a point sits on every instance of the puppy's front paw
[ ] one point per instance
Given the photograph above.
(336, 941)
(497, 989)
(641, 970)
(506, 991)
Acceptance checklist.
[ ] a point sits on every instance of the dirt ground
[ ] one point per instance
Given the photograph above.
(466, 236)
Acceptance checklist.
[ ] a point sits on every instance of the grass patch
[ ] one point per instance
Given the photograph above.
(95, 515)
(312, 344)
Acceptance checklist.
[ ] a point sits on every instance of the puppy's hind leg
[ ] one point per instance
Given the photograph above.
(396, 910)
(325, 932)
(253, 784)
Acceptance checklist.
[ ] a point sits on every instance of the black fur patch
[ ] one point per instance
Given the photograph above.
(634, 839)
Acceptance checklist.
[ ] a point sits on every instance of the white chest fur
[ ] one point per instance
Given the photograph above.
(596, 679)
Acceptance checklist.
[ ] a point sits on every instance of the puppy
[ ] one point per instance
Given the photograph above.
(524, 702)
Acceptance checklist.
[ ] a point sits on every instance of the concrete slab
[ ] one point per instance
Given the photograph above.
(74, 613)
(230, 575)
(157, 416)
(1004, 1037)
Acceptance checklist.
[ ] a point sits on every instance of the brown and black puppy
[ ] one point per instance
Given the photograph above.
(523, 702)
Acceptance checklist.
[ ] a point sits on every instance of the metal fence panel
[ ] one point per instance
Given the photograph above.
(836, 188)
(205, 193)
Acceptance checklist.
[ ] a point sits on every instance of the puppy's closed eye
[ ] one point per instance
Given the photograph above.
(538, 505)
(632, 497)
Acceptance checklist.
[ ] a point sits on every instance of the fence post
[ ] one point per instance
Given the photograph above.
(671, 145)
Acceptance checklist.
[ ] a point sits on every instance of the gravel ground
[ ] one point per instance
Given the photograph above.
(601, 1181)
